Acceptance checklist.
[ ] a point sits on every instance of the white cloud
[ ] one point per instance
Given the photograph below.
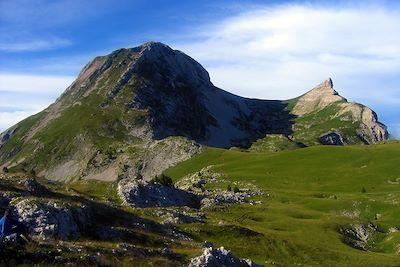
(34, 45)
(36, 84)
(281, 51)
(24, 95)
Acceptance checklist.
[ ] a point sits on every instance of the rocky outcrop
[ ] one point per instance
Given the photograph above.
(358, 235)
(370, 129)
(196, 182)
(220, 257)
(50, 219)
(140, 194)
(332, 138)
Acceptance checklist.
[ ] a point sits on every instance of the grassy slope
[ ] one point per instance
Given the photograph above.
(297, 223)
(308, 128)
(273, 143)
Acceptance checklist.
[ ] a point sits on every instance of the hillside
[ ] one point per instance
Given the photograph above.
(141, 110)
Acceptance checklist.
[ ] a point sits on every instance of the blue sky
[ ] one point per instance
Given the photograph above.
(263, 49)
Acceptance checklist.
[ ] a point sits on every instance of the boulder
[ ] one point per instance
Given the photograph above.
(141, 194)
(50, 219)
(219, 257)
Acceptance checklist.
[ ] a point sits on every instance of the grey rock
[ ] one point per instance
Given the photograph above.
(331, 138)
(50, 219)
(139, 193)
(175, 216)
(219, 257)
(358, 235)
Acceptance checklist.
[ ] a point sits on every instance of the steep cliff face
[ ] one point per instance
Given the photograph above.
(143, 109)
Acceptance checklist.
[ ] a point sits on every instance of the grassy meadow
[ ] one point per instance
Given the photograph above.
(310, 194)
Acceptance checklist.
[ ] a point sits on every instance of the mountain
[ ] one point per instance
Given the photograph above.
(323, 109)
(143, 109)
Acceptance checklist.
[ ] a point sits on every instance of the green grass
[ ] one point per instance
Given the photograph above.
(308, 192)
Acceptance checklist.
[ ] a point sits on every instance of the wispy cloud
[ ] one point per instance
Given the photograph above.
(279, 51)
(24, 95)
(34, 84)
(34, 45)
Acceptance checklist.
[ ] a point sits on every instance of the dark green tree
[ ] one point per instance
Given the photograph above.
(363, 190)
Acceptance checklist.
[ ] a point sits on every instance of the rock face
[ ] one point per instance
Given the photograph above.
(141, 110)
(138, 193)
(219, 257)
(50, 219)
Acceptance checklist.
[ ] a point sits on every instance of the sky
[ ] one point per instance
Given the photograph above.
(259, 49)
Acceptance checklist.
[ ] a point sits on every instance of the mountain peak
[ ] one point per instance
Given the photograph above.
(327, 83)
(153, 44)
(317, 98)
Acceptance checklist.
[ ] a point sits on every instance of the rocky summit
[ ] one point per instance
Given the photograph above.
(141, 110)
